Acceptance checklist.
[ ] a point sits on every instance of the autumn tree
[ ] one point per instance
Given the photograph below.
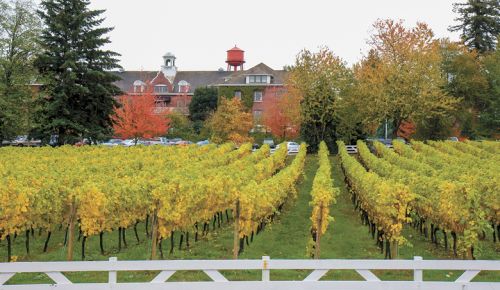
(282, 115)
(139, 117)
(479, 23)
(318, 80)
(230, 122)
(400, 80)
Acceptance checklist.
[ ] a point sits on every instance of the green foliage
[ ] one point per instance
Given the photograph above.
(79, 84)
(19, 31)
(180, 127)
(246, 93)
(479, 23)
(321, 79)
(203, 103)
(489, 118)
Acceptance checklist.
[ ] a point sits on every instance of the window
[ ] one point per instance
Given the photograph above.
(257, 79)
(138, 89)
(257, 115)
(161, 89)
(257, 96)
(184, 86)
(237, 94)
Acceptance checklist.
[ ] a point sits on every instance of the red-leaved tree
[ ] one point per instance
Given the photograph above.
(282, 115)
(139, 117)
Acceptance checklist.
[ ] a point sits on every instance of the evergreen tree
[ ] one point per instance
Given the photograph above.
(79, 85)
(479, 23)
(203, 103)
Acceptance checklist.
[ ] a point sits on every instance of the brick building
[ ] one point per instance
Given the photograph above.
(257, 87)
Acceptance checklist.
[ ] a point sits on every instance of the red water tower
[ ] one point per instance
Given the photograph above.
(235, 58)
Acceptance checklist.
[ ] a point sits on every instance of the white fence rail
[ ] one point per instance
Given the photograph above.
(319, 268)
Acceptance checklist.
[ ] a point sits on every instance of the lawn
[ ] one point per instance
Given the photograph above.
(287, 237)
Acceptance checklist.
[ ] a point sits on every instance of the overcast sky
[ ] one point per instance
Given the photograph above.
(199, 32)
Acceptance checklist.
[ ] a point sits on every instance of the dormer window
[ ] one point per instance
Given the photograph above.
(139, 86)
(184, 86)
(258, 79)
(161, 89)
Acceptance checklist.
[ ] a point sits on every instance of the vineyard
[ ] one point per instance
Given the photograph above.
(171, 189)
(171, 198)
(448, 188)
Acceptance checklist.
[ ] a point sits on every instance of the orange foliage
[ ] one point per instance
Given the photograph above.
(281, 117)
(137, 117)
(406, 130)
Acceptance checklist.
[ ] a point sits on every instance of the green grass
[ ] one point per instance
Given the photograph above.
(287, 237)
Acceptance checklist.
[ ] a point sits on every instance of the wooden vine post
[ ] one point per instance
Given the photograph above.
(71, 229)
(318, 233)
(236, 238)
(154, 234)
(394, 250)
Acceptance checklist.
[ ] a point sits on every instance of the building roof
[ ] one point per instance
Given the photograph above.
(198, 79)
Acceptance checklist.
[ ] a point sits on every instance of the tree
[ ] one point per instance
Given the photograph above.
(19, 30)
(180, 126)
(138, 117)
(79, 86)
(282, 116)
(401, 80)
(467, 82)
(318, 80)
(479, 23)
(231, 122)
(203, 103)
(489, 118)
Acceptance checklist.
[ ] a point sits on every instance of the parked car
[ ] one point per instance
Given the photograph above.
(269, 142)
(202, 143)
(173, 141)
(255, 147)
(113, 142)
(23, 140)
(454, 139)
(183, 143)
(132, 142)
(292, 147)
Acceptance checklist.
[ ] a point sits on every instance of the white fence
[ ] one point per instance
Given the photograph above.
(319, 268)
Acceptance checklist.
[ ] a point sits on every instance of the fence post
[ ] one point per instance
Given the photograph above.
(112, 274)
(418, 275)
(266, 273)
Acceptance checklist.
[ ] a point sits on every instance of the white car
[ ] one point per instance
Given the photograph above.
(131, 142)
(112, 143)
(292, 147)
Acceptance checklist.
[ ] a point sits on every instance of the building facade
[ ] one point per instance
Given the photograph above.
(258, 87)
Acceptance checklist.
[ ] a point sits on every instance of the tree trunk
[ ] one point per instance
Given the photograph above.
(236, 235)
